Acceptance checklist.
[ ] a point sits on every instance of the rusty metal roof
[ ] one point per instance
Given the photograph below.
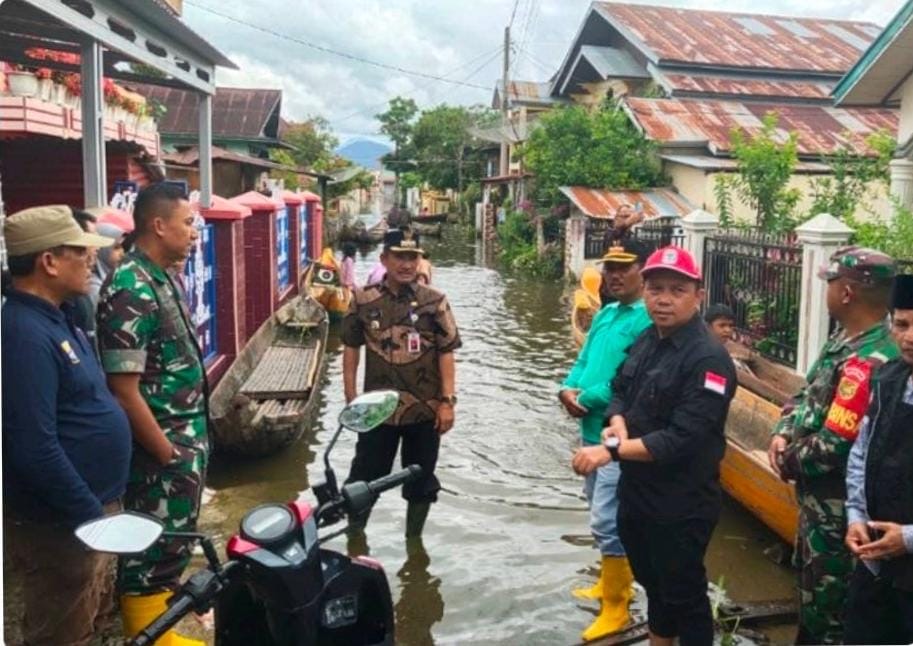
(236, 113)
(602, 203)
(820, 129)
(524, 92)
(741, 40)
(679, 84)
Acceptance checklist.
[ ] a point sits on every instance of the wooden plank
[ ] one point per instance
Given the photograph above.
(282, 373)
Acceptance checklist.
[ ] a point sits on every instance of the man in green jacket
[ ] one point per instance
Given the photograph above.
(585, 395)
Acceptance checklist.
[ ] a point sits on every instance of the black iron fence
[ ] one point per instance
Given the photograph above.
(660, 233)
(594, 241)
(759, 276)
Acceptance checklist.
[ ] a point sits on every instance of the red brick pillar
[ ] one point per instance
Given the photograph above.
(231, 331)
(261, 297)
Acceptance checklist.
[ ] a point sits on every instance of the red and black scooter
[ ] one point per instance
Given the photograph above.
(279, 587)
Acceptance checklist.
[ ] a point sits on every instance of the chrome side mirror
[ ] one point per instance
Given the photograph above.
(369, 410)
(126, 532)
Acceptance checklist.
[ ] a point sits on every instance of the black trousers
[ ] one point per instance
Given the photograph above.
(876, 611)
(668, 561)
(376, 450)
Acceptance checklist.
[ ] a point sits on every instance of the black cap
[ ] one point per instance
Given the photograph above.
(902, 298)
(401, 241)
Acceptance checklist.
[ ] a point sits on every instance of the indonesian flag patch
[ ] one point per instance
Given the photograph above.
(715, 382)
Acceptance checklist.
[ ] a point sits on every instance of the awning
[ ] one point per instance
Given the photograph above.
(652, 202)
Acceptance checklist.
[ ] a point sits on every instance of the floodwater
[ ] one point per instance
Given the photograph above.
(508, 539)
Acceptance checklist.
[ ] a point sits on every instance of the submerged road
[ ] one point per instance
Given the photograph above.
(508, 539)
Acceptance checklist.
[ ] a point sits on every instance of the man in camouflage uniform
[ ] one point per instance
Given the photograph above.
(812, 441)
(155, 370)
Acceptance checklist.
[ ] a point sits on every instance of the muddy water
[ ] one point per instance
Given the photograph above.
(508, 538)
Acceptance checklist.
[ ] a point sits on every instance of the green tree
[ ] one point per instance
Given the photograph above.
(766, 165)
(853, 176)
(573, 146)
(398, 123)
(445, 151)
(313, 143)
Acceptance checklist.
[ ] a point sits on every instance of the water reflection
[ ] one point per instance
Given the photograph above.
(420, 604)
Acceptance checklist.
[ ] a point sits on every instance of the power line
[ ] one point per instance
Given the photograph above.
(513, 14)
(492, 54)
(329, 50)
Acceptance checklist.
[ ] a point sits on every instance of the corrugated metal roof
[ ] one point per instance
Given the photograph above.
(602, 203)
(747, 86)
(611, 62)
(236, 112)
(820, 129)
(711, 163)
(741, 40)
(524, 92)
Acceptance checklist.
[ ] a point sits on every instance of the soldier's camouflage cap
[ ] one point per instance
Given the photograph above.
(867, 266)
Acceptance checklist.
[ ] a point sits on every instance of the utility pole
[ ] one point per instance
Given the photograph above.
(505, 147)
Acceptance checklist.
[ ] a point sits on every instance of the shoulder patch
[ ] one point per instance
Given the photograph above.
(715, 383)
(851, 399)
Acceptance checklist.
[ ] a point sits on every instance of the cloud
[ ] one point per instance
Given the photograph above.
(457, 39)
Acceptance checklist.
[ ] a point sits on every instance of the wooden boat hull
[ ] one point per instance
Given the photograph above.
(744, 471)
(432, 230)
(253, 426)
(430, 219)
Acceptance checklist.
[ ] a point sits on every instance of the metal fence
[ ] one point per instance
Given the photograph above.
(759, 276)
(660, 233)
(594, 241)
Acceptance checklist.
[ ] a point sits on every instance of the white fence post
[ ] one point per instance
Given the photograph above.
(820, 237)
(697, 225)
(574, 246)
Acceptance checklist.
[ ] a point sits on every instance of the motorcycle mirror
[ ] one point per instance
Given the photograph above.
(369, 410)
(123, 533)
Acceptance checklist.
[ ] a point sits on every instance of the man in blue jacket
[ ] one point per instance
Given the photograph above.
(66, 441)
(585, 394)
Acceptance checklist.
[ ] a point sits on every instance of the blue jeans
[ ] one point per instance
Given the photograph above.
(601, 489)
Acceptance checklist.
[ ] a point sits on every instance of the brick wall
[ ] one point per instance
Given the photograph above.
(231, 290)
(260, 268)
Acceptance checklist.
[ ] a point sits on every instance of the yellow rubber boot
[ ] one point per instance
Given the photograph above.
(617, 593)
(138, 611)
(593, 592)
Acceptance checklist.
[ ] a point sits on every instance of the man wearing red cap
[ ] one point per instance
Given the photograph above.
(879, 488)
(666, 429)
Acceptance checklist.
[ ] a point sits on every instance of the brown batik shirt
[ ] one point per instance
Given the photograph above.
(383, 322)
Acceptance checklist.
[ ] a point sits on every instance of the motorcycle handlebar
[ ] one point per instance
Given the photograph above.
(412, 472)
(180, 606)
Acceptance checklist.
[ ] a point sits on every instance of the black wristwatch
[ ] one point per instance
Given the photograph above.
(612, 445)
(450, 400)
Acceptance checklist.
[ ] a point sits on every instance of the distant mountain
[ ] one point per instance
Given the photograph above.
(364, 152)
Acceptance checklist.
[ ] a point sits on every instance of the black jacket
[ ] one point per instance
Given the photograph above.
(674, 394)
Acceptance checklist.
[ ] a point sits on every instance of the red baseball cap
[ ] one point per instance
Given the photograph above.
(675, 259)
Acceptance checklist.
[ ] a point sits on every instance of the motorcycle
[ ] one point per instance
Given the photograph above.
(279, 587)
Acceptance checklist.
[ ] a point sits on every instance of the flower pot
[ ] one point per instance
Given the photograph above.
(22, 83)
(46, 90)
(60, 94)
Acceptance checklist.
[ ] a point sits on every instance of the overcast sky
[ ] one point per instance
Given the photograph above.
(454, 39)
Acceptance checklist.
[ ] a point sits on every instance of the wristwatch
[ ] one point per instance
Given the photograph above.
(612, 445)
(450, 400)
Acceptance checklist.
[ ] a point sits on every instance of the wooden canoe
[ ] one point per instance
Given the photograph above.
(744, 472)
(425, 229)
(430, 219)
(359, 233)
(268, 397)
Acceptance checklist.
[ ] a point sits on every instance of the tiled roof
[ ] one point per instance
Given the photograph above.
(602, 203)
(820, 129)
(236, 113)
(741, 40)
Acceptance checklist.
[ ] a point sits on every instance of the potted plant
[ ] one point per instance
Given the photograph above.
(22, 82)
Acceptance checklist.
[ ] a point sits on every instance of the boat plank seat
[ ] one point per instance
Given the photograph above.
(282, 373)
